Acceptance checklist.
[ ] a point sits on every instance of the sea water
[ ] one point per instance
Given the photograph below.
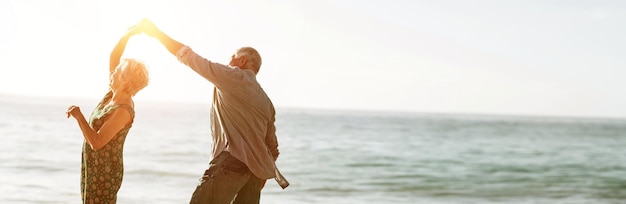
(329, 156)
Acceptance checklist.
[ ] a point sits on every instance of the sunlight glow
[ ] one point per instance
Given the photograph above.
(121, 15)
(485, 56)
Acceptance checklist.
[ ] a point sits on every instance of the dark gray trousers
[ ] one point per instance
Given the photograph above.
(227, 180)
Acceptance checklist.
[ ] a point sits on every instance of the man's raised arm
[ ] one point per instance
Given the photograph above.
(151, 30)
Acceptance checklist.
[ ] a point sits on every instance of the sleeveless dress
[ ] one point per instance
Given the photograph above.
(102, 170)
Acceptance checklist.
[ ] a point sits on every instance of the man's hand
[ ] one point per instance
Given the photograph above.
(151, 30)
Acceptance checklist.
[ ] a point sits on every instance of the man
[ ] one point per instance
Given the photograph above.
(242, 125)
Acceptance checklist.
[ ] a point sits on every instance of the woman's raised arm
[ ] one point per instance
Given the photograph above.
(119, 48)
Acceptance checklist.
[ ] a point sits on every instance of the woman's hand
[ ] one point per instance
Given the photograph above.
(134, 30)
(73, 111)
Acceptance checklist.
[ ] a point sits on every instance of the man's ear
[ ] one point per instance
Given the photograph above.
(243, 60)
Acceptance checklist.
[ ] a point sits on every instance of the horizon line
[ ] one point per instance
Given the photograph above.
(384, 111)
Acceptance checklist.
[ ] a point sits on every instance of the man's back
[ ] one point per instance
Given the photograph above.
(242, 115)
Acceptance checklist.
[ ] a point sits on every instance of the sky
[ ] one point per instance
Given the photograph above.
(527, 57)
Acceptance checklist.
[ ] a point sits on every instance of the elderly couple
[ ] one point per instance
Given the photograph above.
(242, 125)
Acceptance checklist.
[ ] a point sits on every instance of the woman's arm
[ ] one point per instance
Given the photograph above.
(119, 48)
(118, 119)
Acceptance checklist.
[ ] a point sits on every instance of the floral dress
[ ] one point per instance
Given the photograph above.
(102, 170)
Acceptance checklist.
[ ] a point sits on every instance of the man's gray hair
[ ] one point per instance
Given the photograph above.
(254, 58)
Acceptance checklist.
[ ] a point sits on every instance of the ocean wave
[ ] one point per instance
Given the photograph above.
(336, 157)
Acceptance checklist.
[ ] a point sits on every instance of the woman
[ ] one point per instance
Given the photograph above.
(102, 164)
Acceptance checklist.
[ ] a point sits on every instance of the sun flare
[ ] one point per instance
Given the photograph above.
(121, 15)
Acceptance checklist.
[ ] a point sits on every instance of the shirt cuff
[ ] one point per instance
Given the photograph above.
(182, 51)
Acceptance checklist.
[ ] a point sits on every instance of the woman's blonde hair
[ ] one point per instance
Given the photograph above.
(135, 75)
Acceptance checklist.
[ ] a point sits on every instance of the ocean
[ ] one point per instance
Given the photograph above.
(329, 156)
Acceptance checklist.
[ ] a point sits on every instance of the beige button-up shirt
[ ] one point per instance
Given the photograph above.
(242, 115)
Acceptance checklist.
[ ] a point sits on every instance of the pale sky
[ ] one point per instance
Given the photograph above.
(529, 57)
